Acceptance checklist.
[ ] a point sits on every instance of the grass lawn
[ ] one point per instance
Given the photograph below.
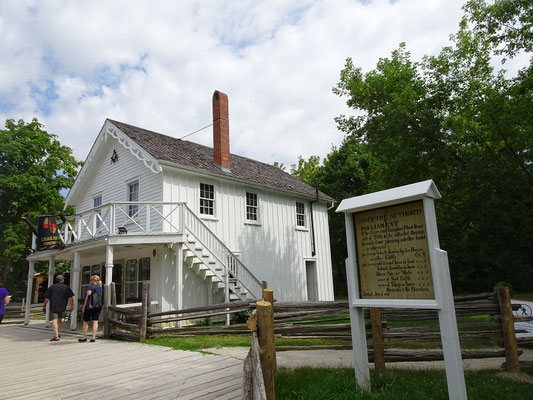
(523, 295)
(201, 342)
(339, 383)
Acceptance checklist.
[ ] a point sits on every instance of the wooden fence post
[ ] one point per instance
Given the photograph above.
(377, 340)
(107, 295)
(110, 314)
(113, 294)
(268, 295)
(265, 334)
(509, 338)
(144, 310)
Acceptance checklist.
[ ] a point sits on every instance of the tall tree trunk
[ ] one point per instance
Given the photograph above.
(5, 270)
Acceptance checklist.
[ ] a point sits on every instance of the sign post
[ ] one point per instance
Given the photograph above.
(394, 261)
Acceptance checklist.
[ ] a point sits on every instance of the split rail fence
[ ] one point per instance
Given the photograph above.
(14, 313)
(479, 317)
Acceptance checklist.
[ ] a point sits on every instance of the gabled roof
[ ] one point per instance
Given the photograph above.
(193, 156)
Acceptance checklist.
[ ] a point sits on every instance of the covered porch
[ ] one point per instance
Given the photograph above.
(125, 243)
(127, 265)
(129, 242)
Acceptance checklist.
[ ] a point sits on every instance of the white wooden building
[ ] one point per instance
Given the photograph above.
(202, 225)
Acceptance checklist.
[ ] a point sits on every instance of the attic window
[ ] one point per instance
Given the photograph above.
(207, 199)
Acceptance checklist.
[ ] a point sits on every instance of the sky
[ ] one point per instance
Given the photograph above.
(155, 64)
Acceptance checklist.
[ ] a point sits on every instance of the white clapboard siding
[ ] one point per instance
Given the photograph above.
(323, 252)
(110, 180)
(274, 250)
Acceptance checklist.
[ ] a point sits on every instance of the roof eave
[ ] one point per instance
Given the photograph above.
(235, 179)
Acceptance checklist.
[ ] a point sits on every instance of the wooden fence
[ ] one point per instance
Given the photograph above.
(326, 320)
(14, 313)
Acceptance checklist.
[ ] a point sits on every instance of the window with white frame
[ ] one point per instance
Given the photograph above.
(252, 207)
(207, 199)
(137, 271)
(133, 195)
(97, 202)
(300, 214)
(86, 272)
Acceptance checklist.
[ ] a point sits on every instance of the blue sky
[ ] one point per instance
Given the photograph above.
(156, 64)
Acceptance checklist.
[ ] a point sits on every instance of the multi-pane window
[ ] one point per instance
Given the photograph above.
(137, 271)
(133, 195)
(86, 272)
(300, 214)
(97, 202)
(252, 207)
(207, 199)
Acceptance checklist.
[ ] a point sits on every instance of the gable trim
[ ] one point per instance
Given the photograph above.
(110, 130)
(136, 150)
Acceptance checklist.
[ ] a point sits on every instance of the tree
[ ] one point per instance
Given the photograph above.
(506, 24)
(279, 165)
(343, 173)
(34, 168)
(455, 119)
(307, 170)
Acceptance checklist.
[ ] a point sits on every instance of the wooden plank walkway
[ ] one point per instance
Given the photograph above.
(32, 367)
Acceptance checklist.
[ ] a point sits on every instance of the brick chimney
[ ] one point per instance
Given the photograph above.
(221, 130)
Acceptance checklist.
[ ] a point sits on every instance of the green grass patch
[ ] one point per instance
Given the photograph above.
(339, 384)
(472, 344)
(523, 295)
(408, 324)
(202, 342)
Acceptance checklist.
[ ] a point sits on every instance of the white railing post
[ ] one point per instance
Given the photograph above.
(226, 289)
(93, 223)
(182, 217)
(111, 219)
(148, 207)
(78, 228)
(66, 233)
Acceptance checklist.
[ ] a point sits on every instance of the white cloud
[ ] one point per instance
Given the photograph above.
(156, 64)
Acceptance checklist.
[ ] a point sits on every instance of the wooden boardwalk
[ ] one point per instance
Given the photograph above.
(32, 367)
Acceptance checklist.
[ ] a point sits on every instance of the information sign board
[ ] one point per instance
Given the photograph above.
(392, 253)
(394, 261)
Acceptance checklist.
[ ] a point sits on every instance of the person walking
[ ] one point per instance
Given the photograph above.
(92, 305)
(58, 295)
(4, 300)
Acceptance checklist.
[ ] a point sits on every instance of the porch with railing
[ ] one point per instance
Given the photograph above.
(130, 219)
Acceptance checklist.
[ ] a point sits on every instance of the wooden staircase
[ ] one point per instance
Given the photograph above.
(210, 271)
(212, 260)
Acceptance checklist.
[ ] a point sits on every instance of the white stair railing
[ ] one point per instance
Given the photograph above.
(233, 267)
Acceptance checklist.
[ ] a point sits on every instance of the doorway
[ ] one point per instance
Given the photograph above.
(312, 281)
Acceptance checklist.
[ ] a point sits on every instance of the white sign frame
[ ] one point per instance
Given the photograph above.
(443, 302)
